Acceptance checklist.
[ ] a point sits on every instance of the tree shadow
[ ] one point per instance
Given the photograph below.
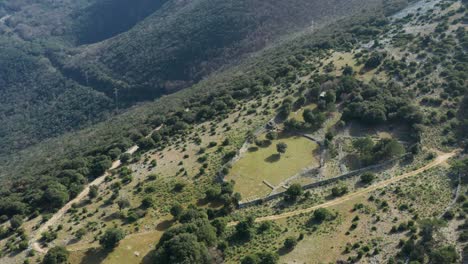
(148, 258)
(73, 241)
(164, 225)
(273, 158)
(111, 217)
(210, 204)
(283, 251)
(252, 149)
(94, 256)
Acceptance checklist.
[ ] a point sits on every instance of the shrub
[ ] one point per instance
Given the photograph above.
(111, 238)
(367, 178)
(322, 214)
(290, 243)
(293, 192)
(56, 255)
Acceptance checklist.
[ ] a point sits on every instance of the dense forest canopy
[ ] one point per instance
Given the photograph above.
(52, 82)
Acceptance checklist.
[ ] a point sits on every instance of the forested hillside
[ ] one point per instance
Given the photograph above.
(53, 82)
(185, 41)
(346, 138)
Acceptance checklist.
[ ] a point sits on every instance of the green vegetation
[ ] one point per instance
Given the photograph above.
(293, 192)
(372, 153)
(188, 242)
(56, 255)
(367, 178)
(111, 238)
(249, 173)
(386, 101)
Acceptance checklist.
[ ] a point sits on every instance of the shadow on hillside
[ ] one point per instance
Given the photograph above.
(283, 251)
(273, 158)
(252, 149)
(111, 217)
(210, 204)
(164, 225)
(148, 259)
(94, 256)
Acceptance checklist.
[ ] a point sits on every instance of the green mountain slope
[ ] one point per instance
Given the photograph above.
(348, 139)
(185, 41)
(50, 84)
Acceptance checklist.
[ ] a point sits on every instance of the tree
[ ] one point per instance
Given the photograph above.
(111, 238)
(192, 214)
(146, 143)
(147, 202)
(80, 233)
(367, 177)
(330, 97)
(445, 255)
(126, 157)
(122, 203)
(293, 192)
(374, 60)
(16, 221)
(244, 229)
(339, 190)
(56, 195)
(213, 193)
(268, 258)
(281, 148)
(250, 259)
(363, 145)
(290, 243)
(56, 255)
(322, 214)
(220, 224)
(389, 149)
(272, 135)
(315, 119)
(183, 248)
(176, 210)
(93, 192)
(100, 165)
(348, 70)
(114, 153)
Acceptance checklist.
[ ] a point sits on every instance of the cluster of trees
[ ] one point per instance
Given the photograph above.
(56, 255)
(34, 193)
(370, 153)
(426, 248)
(223, 193)
(189, 241)
(294, 192)
(463, 119)
(320, 90)
(261, 258)
(111, 238)
(377, 103)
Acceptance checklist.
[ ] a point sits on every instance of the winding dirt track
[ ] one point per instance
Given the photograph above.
(34, 242)
(436, 162)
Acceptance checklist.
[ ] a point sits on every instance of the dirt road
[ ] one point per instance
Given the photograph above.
(436, 162)
(34, 244)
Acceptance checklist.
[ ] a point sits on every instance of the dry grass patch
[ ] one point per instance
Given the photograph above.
(265, 164)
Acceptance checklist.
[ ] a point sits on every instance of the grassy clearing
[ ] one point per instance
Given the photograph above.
(341, 59)
(261, 164)
(298, 115)
(132, 250)
(331, 240)
(135, 249)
